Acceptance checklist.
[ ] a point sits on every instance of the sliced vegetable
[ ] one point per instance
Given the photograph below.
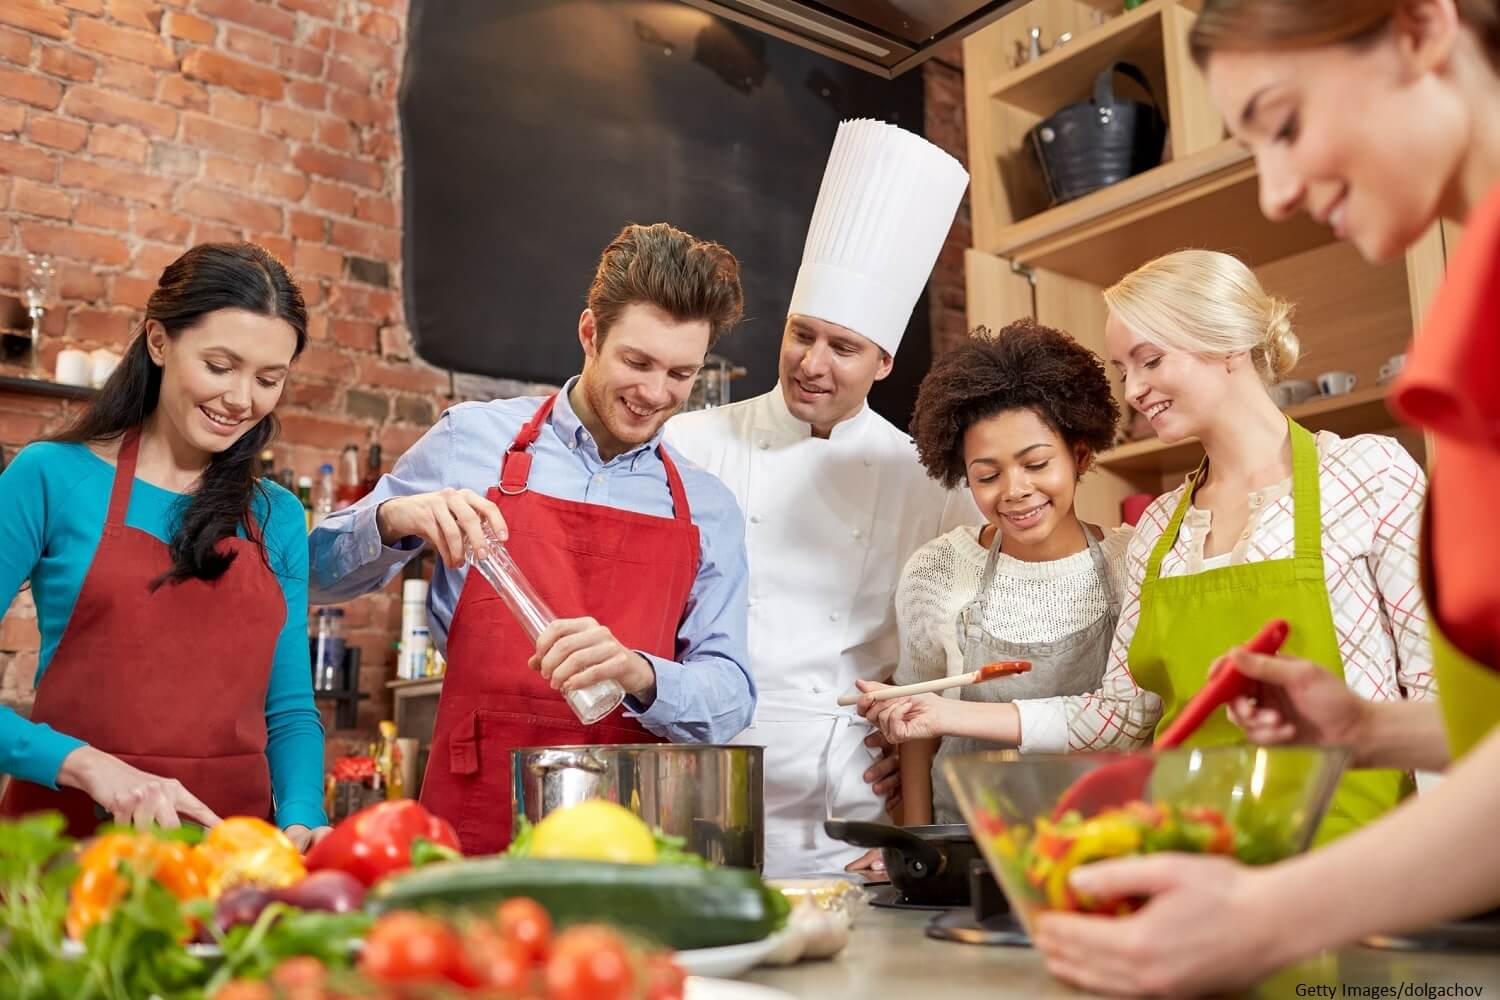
(246, 849)
(378, 841)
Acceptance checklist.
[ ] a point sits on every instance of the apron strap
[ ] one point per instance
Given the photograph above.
(680, 509)
(1101, 567)
(515, 467)
(1169, 536)
(1307, 501)
(119, 494)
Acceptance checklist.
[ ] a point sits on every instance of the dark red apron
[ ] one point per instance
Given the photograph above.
(172, 681)
(631, 572)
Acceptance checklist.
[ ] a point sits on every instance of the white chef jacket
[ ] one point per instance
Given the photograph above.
(829, 525)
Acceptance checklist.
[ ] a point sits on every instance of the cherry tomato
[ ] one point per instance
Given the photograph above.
(526, 922)
(497, 961)
(590, 963)
(665, 979)
(406, 947)
(302, 971)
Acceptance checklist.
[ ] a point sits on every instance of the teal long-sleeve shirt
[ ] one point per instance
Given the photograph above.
(53, 502)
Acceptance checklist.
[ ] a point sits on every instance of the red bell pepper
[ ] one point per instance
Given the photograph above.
(378, 840)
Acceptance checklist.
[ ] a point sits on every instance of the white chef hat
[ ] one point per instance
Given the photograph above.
(885, 207)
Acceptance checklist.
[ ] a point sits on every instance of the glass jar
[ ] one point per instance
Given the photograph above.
(328, 650)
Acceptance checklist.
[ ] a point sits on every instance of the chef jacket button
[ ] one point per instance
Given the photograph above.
(817, 688)
(750, 602)
(858, 534)
(833, 616)
(763, 445)
(599, 478)
(754, 518)
(869, 462)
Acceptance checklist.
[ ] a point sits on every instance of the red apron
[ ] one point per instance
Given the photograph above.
(172, 681)
(632, 572)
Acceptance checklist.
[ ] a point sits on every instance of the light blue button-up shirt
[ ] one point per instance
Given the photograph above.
(706, 694)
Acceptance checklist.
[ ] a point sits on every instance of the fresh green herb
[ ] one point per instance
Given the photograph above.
(282, 932)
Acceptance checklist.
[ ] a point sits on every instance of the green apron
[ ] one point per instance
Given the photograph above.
(1468, 691)
(1187, 622)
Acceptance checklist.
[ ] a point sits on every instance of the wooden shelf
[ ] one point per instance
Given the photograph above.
(417, 685)
(1207, 199)
(44, 387)
(1066, 74)
(1359, 412)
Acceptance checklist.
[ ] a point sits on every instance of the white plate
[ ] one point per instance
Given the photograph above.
(699, 988)
(74, 949)
(728, 961)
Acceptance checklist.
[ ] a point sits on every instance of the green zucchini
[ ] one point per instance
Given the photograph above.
(674, 905)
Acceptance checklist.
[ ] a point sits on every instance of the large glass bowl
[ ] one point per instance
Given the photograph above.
(1259, 804)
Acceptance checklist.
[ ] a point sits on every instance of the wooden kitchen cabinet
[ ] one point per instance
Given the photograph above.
(1030, 259)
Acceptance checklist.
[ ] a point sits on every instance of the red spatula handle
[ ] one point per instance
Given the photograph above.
(1221, 688)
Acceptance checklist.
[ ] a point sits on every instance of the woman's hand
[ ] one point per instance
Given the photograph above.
(447, 520)
(1297, 701)
(871, 863)
(131, 796)
(305, 837)
(914, 717)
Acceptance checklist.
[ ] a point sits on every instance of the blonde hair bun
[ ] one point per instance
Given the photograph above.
(1282, 346)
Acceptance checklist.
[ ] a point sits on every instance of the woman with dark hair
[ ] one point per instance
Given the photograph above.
(1018, 417)
(1379, 117)
(170, 582)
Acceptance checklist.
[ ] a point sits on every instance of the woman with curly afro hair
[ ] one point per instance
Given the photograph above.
(1017, 416)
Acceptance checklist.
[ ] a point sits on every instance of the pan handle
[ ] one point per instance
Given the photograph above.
(919, 858)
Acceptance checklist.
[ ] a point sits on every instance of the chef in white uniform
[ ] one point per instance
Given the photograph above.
(834, 497)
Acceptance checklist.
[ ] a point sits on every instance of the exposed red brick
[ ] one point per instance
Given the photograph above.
(215, 67)
(357, 334)
(319, 39)
(377, 209)
(379, 144)
(310, 395)
(80, 283)
(29, 88)
(280, 246)
(416, 377)
(317, 323)
(320, 432)
(130, 292)
(116, 109)
(119, 182)
(350, 75)
(180, 92)
(141, 14)
(306, 226)
(281, 184)
(23, 161)
(289, 122)
(124, 43)
(211, 203)
(316, 161)
(102, 213)
(332, 198)
(318, 260)
(31, 198)
(170, 158)
(380, 26)
(250, 44)
(12, 117)
(189, 28)
(234, 109)
(93, 8)
(161, 224)
(213, 232)
(75, 244)
(135, 79)
(328, 10)
(151, 259)
(66, 63)
(253, 13)
(15, 47)
(337, 135)
(109, 326)
(367, 241)
(236, 142)
(303, 62)
(119, 144)
(364, 302)
(395, 342)
(368, 51)
(231, 174)
(40, 16)
(359, 108)
(59, 133)
(306, 94)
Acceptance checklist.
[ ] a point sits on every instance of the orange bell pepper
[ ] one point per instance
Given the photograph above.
(100, 884)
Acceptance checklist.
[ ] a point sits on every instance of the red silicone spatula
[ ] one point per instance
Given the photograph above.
(1122, 781)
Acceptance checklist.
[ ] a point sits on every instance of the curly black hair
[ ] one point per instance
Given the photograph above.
(1023, 366)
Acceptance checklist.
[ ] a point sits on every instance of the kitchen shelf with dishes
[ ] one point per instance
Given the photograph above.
(1051, 261)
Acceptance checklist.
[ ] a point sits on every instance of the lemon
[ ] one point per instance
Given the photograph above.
(595, 830)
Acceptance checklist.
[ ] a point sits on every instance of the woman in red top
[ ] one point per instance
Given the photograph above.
(1378, 117)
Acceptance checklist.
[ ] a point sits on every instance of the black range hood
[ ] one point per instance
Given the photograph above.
(885, 37)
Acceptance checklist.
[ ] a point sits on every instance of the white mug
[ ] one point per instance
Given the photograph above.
(1392, 367)
(72, 367)
(1336, 383)
(1292, 391)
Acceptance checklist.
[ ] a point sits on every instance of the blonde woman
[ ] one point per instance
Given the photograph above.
(1276, 523)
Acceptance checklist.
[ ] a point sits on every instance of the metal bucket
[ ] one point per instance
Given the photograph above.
(711, 796)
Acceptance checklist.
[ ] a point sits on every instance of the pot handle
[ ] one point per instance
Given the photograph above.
(566, 760)
(918, 857)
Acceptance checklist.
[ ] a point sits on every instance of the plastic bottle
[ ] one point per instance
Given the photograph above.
(328, 649)
(324, 503)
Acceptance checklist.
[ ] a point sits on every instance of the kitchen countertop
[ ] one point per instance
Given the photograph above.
(889, 957)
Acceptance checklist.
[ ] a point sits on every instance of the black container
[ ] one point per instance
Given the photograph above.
(1092, 144)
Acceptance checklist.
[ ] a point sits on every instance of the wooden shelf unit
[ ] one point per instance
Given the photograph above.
(1051, 263)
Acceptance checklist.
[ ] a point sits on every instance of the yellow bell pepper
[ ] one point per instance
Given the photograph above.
(246, 849)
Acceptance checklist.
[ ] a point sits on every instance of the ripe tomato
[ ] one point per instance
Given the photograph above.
(498, 962)
(406, 947)
(526, 922)
(665, 979)
(590, 963)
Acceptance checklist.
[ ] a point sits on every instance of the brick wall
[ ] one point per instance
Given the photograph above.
(943, 80)
(131, 129)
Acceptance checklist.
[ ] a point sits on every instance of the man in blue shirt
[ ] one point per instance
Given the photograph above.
(641, 557)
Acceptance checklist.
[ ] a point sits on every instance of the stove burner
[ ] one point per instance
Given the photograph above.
(961, 926)
(889, 897)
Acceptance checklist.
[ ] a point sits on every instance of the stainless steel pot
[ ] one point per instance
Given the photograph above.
(711, 796)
